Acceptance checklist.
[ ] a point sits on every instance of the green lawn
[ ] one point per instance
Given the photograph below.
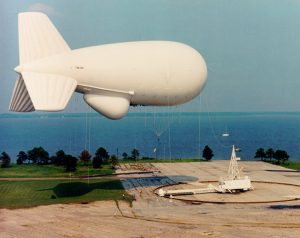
(289, 164)
(17, 194)
(46, 171)
(292, 165)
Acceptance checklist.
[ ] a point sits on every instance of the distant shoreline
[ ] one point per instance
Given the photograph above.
(44, 115)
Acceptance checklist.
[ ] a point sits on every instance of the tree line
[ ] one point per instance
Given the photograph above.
(278, 156)
(39, 156)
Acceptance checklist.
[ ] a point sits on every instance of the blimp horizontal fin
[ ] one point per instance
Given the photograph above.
(20, 101)
(44, 92)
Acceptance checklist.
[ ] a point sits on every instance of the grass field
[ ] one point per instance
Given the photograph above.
(45, 171)
(17, 194)
(291, 165)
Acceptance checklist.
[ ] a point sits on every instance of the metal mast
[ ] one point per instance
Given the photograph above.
(233, 170)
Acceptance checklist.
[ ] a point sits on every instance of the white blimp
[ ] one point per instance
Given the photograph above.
(111, 77)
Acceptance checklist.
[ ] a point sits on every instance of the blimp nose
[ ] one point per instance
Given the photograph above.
(203, 74)
(199, 76)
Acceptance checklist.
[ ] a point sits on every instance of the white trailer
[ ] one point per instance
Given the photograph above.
(235, 185)
(179, 192)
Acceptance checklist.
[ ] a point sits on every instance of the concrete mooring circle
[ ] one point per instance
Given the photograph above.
(263, 192)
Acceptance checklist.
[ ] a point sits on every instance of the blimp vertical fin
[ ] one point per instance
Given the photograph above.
(38, 37)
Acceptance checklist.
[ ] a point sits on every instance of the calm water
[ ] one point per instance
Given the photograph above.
(173, 135)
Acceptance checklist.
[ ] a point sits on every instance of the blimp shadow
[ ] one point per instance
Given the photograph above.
(76, 189)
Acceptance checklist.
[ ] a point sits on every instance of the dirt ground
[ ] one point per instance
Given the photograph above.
(152, 216)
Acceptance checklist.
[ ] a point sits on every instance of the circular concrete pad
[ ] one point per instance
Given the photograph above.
(263, 192)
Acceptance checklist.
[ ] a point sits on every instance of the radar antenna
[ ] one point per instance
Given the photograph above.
(233, 170)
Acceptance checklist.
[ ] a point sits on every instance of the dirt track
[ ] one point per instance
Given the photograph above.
(152, 216)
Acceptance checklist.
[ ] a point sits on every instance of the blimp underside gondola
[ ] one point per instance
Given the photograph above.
(111, 77)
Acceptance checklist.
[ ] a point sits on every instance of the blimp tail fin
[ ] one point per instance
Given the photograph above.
(43, 92)
(20, 101)
(38, 37)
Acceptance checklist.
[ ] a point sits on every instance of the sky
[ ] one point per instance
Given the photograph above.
(251, 47)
